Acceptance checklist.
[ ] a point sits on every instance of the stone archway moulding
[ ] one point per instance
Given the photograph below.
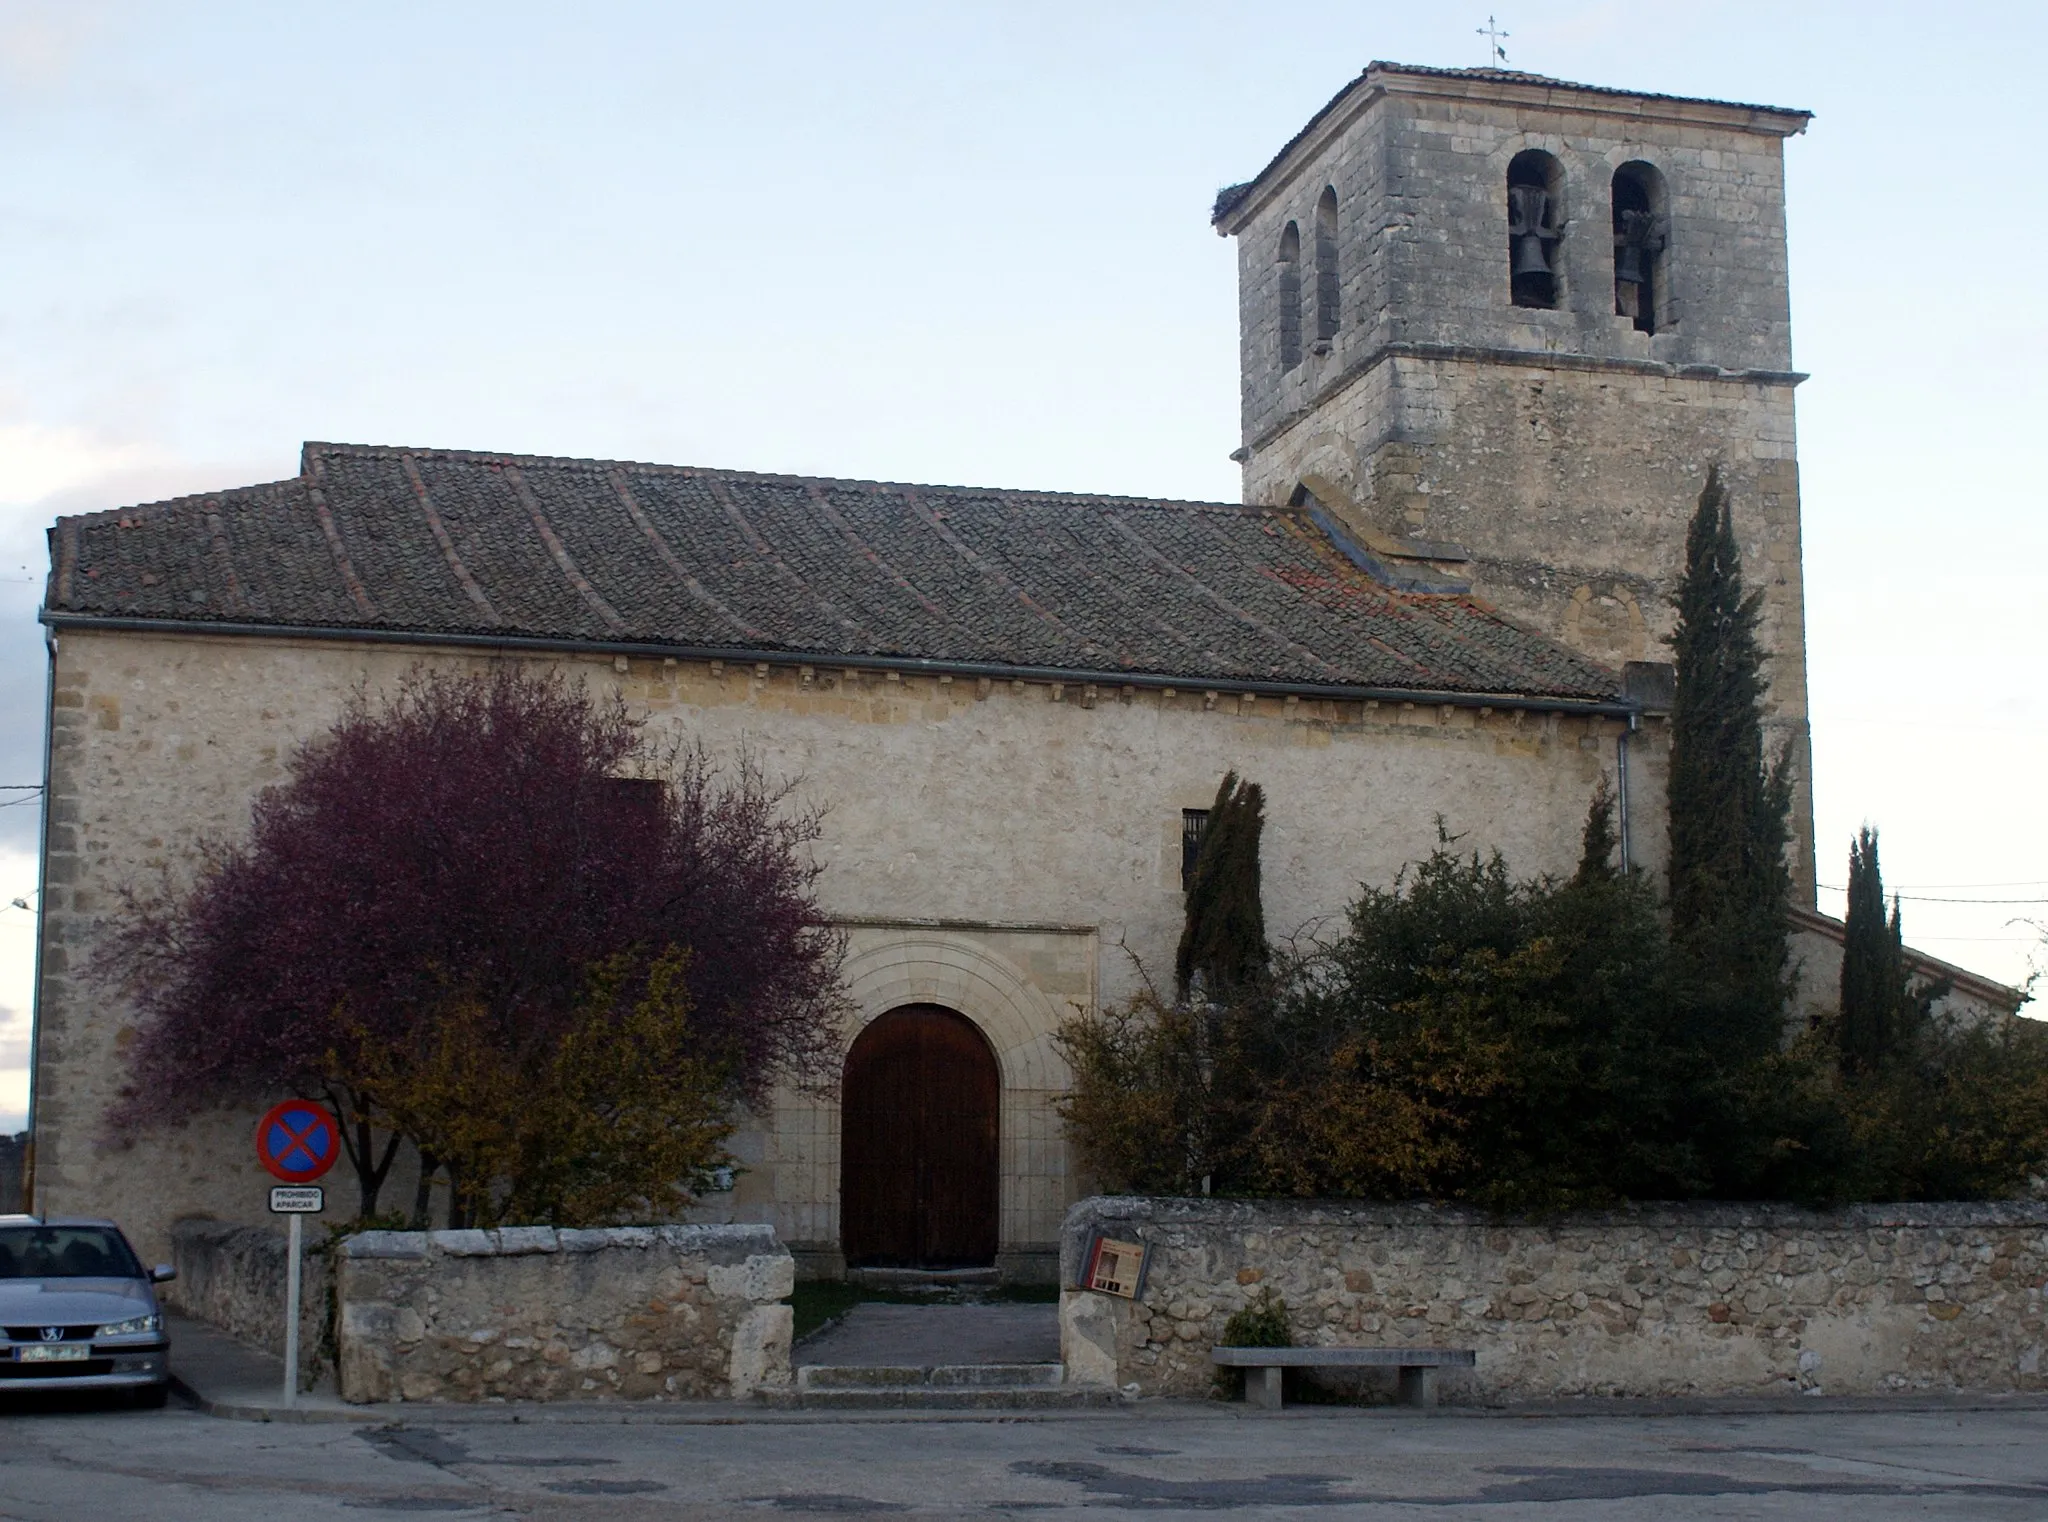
(962, 973)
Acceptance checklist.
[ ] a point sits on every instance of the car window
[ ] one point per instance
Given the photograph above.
(65, 1252)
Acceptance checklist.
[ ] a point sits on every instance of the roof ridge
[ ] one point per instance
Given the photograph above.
(599, 464)
(164, 505)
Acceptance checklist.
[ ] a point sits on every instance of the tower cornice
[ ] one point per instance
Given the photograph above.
(1241, 204)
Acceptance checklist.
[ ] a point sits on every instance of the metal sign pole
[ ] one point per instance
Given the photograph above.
(296, 1142)
(291, 1315)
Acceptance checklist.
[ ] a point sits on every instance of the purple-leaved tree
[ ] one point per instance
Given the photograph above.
(482, 841)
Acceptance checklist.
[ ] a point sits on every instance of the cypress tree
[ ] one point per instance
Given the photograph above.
(1873, 966)
(1223, 943)
(1730, 887)
(1598, 842)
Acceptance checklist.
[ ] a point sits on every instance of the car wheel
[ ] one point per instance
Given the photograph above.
(150, 1397)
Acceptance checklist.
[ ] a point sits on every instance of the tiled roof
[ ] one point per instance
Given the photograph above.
(436, 543)
(1230, 197)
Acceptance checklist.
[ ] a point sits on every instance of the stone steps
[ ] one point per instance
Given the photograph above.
(913, 1280)
(985, 1386)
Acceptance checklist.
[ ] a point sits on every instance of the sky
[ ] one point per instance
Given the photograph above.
(968, 243)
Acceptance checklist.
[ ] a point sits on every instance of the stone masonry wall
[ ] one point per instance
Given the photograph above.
(233, 1277)
(532, 1313)
(1571, 491)
(1656, 1301)
(993, 846)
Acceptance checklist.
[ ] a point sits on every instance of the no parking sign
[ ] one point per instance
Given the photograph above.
(297, 1141)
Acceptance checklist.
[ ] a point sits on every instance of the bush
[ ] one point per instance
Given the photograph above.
(1262, 1323)
(1531, 1045)
(1468, 1035)
(620, 1116)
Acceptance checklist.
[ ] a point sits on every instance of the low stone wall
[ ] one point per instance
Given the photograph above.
(1664, 1300)
(233, 1277)
(532, 1313)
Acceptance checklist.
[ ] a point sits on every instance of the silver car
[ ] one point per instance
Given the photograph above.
(78, 1311)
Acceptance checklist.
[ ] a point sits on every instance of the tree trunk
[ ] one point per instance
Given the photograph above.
(359, 1141)
(423, 1191)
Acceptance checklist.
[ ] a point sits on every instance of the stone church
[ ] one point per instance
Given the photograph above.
(1495, 328)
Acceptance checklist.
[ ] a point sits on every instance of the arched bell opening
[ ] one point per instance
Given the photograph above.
(1290, 296)
(1535, 228)
(1329, 286)
(1641, 247)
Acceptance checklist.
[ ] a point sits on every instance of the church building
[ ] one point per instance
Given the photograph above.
(1495, 330)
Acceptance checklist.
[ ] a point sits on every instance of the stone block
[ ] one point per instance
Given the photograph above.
(513, 1240)
(464, 1243)
(385, 1244)
(620, 1313)
(1089, 1327)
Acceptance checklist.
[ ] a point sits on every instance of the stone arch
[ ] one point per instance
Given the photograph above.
(888, 968)
(1640, 207)
(958, 972)
(1288, 276)
(1329, 285)
(1605, 620)
(1536, 225)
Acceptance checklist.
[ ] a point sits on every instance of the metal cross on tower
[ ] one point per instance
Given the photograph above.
(1494, 36)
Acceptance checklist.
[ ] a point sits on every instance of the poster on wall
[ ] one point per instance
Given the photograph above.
(1116, 1268)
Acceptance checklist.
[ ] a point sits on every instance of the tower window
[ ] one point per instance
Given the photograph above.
(1639, 246)
(1329, 290)
(1194, 824)
(1290, 297)
(1535, 227)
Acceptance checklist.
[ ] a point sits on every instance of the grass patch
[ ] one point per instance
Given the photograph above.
(817, 1301)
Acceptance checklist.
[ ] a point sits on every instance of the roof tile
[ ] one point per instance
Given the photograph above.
(427, 543)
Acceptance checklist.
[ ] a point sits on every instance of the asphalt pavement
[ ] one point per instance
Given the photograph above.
(65, 1461)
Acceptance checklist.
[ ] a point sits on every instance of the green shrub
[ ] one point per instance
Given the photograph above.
(1262, 1323)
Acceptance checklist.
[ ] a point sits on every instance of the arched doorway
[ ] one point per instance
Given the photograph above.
(919, 1182)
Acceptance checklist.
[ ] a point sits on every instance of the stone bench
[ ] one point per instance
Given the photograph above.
(1417, 1368)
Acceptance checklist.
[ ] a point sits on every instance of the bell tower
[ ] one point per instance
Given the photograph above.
(1539, 311)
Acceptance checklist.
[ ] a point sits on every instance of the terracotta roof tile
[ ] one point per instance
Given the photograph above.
(425, 543)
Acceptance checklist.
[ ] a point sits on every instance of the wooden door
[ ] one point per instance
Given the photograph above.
(919, 1178)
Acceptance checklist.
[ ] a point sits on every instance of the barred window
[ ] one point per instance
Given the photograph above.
(1194, 824)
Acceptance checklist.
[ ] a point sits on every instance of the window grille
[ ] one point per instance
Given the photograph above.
(1194, 824)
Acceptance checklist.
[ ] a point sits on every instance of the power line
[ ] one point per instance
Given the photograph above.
(2001, 940)
(1923, 898)
(2025, 882)
(2035, 882)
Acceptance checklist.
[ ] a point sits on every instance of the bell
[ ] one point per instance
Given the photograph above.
(1628, 264)
(1529, 256)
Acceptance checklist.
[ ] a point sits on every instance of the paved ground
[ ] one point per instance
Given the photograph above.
(922, 1336)
(114, 1466)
